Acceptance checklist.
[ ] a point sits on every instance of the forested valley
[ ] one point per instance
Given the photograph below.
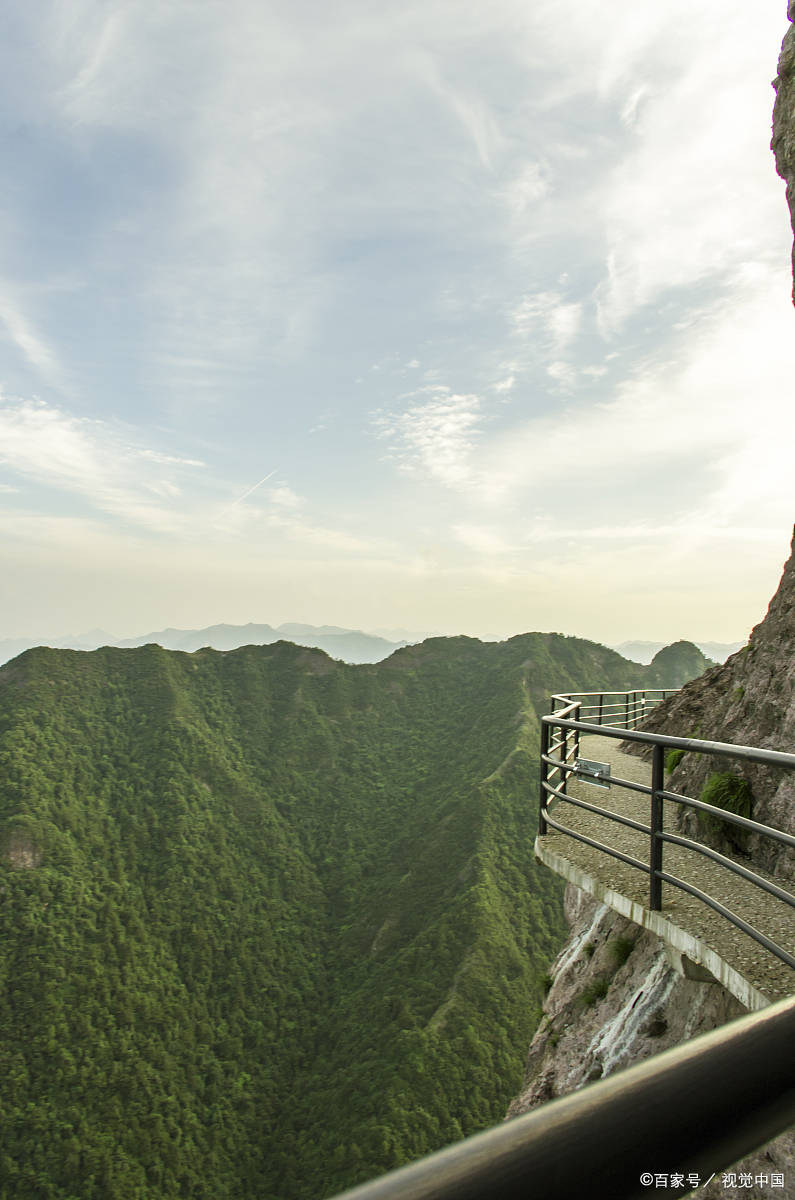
(270, 924)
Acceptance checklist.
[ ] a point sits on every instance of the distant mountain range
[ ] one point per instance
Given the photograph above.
(349, 645)
(644, 652)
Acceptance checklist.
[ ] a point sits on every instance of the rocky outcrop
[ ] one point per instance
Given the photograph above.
(617, 996)
(617, 993)
(783, 144)
(19, 850)
(750, 701)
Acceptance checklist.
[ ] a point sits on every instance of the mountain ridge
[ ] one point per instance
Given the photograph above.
(349, 645)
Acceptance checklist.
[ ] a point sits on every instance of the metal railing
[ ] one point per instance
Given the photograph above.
(694, 1109)
(698, 1107)
(625, 710)
(560, 732)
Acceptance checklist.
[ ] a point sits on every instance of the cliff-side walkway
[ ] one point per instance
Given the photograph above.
(700, 938)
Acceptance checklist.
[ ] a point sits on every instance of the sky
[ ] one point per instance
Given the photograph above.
(440, 315)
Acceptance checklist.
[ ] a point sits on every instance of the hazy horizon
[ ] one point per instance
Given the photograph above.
(636, 650)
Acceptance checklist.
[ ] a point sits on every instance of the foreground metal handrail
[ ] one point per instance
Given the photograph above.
(561, 720)
(689, 1112)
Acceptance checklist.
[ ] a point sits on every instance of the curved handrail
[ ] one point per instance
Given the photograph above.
(633, 705)
(566, 764)
(775, 758)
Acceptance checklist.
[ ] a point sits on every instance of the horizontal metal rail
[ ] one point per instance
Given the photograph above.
(615, 780)
(765, 885)
(567, 721)
(773, 758)
(581, 837)
(717, 907)
(695, 1109)
(647, 695)
(601, 707)
(596, 808)
(676, 839)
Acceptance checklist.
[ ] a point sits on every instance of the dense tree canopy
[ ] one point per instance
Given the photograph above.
(269, 924)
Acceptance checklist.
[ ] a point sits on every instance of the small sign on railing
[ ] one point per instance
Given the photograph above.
(595, 773)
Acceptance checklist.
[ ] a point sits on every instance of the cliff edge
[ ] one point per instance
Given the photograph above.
(617, 993)
(783, 143)
(749, 700)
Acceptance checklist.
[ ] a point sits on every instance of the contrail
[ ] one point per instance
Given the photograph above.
(240, 499)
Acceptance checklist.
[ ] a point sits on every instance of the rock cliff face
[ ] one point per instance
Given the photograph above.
(617, 997)
(749, 700)
(617, 993)
(783, 144)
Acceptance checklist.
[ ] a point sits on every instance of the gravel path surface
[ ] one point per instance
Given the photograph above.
(773, 978)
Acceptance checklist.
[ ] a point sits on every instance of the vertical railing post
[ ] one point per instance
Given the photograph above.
(564, 758)
(601, 702)
(626, 710)
(656, 823)
(542, 807)
(577, 716)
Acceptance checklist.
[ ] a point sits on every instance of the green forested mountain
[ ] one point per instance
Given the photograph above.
(269, 924)
(675, 665)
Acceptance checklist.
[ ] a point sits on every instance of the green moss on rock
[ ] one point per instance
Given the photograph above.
(731, 793)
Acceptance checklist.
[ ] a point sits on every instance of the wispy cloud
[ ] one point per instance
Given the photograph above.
(548, 320)
(531, 184)
(95, 45)
(89, 459)
(31, 344)
(674, 435)
(470, 110)
(672, 213)
(436, 436)
(170, 459)
(483, 540)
